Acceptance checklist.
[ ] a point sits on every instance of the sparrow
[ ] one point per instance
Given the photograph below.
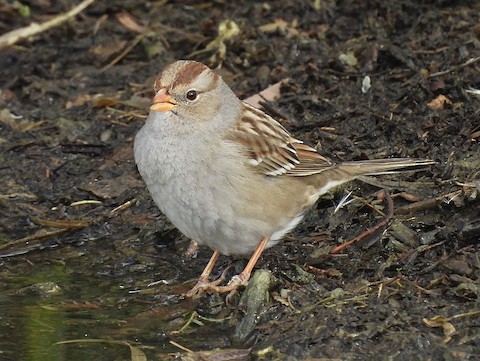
(228, 175)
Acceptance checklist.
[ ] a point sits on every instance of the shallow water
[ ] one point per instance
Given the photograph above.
(46, 302)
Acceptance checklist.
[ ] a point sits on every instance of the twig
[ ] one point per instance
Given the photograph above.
(427, 203)
(129, 48)
(383, 194)
(63, 224)
(37, 236)
(16, 35)
(455, 68)
(183, 348)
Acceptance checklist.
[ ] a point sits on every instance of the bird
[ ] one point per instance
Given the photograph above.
(228, 175)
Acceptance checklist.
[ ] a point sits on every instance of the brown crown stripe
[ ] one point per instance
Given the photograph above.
(190, 72)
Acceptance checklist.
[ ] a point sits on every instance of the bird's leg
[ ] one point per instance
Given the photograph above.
(202, 283)
(209, 267)
(236, 281)
(192, 249)
(243, 277)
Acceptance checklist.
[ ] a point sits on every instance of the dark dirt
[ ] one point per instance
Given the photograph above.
(69, 111)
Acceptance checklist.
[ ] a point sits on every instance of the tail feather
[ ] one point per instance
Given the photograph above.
(344, 172)
(384, 166)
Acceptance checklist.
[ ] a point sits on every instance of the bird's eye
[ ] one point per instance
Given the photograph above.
(192, 95)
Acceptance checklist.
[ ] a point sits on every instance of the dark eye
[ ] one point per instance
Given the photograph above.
(192, 95)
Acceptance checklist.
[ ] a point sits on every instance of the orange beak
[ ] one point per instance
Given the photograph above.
(162, 101)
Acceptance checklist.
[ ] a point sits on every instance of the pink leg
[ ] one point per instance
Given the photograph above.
(203, 283)
(236, 281)
(242, 278)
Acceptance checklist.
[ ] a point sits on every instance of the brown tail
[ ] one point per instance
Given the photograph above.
(383, 166)
(345, 172)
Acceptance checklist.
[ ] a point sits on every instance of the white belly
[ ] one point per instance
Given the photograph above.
(202, 195)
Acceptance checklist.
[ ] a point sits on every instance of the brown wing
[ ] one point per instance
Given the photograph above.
(271, 149)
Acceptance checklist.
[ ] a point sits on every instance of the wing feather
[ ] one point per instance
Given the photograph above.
(271, 148)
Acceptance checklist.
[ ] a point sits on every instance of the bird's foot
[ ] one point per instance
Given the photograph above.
(203, 285)
(231, 287)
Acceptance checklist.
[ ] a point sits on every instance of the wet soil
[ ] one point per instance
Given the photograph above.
(86, 254)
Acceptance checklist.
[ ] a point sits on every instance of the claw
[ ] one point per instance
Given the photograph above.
(203, 285)
(231, 287)
(236, 281)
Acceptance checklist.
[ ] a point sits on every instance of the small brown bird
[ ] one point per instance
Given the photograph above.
(228, 175)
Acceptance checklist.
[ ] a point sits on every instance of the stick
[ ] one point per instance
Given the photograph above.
(16, 35)
(370, 231)
(124, 52)
(455, 68)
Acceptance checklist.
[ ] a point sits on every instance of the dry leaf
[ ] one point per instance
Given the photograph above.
(439, 102)
(282, 27)
(440, 321)
(6, 95)
(62, 223)
(81, 100)
(348, 59)
(129, 22)
(270, 93)
(136, 354)
(227, 30)
(111, 188)
(16, 123)
(278, 24)
(101, 101)
(105, 51)
(217, 355)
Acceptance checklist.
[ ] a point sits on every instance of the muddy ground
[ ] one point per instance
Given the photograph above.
(73, 97)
